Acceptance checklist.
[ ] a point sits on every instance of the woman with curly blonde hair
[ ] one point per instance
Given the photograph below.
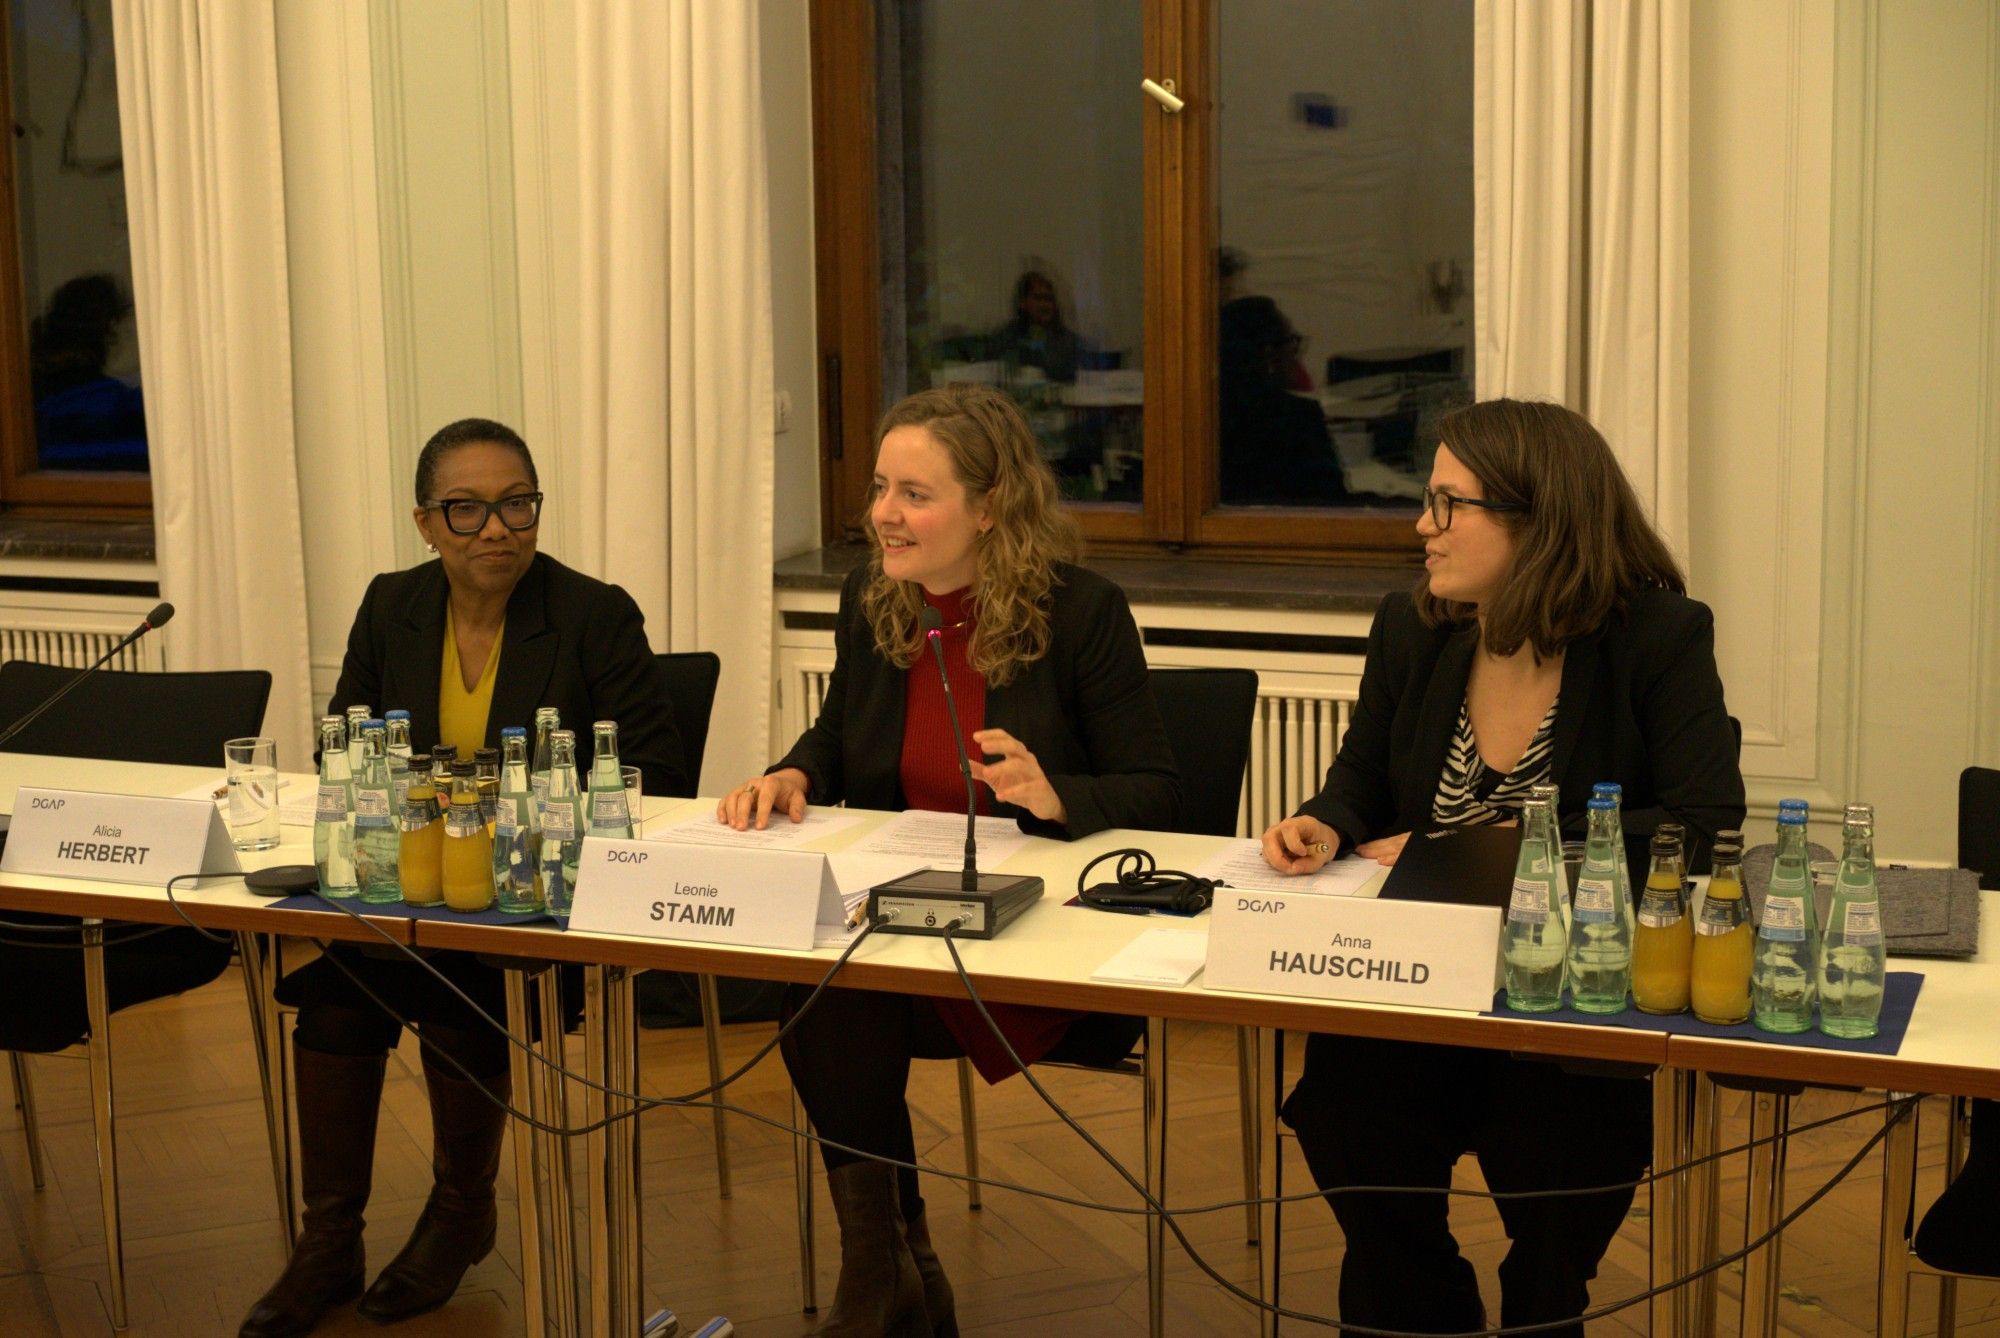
(1050, 681)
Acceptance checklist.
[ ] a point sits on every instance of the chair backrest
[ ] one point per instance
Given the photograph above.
(691, 679)
(176, 719)
(1207, 713)
(1979, 824)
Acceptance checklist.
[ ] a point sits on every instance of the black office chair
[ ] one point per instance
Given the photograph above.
(1979, 851)
(1207, 715)
(173, 719)
(170, 719)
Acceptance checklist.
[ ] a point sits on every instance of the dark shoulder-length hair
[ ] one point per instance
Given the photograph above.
(1582, 545)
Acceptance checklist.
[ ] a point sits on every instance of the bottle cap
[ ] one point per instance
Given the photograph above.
(395, 715)
(1607, 790)
(605, 724)
(371, 723)
(1792, 817)
(562, 736)
(486, 755)
(514, 732)
(1799, 804)
(1600, 804)
(461, 768)
(445, 750)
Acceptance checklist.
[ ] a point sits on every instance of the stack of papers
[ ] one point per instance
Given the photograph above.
(1241, 864)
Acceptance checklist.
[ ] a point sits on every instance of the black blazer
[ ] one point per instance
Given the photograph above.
(1084, 709)
(1641, 705)
(571, 642)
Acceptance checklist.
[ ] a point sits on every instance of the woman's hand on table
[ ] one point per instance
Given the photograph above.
(1017, 777)
(1385, 850)
(1300, 845)
(752, 803)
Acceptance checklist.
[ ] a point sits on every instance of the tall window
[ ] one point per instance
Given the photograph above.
(1232, 324)
(72, 419)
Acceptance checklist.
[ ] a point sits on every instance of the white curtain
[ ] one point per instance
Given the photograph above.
(676, 441)
(204, 185)
(1581, 224)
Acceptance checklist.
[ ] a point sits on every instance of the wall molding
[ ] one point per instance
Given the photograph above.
(398, 284)
(1985, 676)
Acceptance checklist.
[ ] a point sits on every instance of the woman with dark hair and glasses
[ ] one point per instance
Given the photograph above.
(469, 643)
(1549, 641)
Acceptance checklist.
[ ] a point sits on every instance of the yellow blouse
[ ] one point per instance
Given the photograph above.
(461, 714)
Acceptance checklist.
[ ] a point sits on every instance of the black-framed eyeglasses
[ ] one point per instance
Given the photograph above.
(1439, 504)
(468, 515)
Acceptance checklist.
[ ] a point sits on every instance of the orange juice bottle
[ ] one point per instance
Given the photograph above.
(467, 857)
(1724, 939)
(422, 844)
(1663, 943)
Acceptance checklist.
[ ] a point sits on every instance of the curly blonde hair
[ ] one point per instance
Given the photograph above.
(994, 455)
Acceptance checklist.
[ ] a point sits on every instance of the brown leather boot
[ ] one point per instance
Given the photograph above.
(457, 1227)
(939, 1304)
(880, 1294)
(339, 1097)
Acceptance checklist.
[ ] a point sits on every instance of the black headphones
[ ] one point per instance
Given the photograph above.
(1141, 886)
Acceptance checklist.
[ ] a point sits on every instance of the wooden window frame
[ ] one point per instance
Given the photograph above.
(1180, 510)
(26, 489)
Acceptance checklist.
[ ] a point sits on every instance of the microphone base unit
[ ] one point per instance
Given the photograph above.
(927, 901)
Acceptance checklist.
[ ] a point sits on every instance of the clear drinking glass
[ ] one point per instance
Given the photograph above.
(253, 792)
(635, 801)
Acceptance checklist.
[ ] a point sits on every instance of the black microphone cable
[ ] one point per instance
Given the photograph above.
(1904, 1108)
(640, 1103)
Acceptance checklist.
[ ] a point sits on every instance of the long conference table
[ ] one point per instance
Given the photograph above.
(1046, 957)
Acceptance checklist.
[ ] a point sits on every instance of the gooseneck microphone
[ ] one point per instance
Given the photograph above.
(933, 625)
(161, 615)
(938, 901)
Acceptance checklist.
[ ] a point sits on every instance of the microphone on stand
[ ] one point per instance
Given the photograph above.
(933, 625)
(161, 615)
(978, 905)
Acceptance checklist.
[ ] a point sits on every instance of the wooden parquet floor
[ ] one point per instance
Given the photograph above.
(202, 1240)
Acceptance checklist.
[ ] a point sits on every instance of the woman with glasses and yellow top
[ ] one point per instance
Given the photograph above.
(468, 644)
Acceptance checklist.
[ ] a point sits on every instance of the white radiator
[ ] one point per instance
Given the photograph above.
(73, 630)
(1294, 735)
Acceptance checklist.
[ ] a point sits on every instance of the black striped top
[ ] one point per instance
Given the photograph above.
(1469, 794)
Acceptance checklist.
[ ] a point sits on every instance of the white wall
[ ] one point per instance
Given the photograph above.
(1845, 413)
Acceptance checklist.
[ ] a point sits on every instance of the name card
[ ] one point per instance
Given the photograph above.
(116, 838)
(704, 894)
(1353, 948)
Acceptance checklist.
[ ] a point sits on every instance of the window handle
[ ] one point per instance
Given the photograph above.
(1162, 93)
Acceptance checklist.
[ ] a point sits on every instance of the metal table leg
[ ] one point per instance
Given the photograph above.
(609, 1047)
(1704, 1187)
(1246, 1106)
(1892, 1273)
(711, 1028)
(1269, 1084)
(528, 1208)
(97, 1004)
(1669, 1195)
(1770, 1115)
(259, 954)
(551, 1106)
(1155, 1121)
(802, 1184)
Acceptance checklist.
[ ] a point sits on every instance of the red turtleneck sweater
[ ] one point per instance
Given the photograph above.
(931, 780)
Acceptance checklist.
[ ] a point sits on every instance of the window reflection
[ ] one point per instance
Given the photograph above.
(1011, 226)
(1344, 207)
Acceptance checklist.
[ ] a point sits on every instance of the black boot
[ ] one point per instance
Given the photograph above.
(339, 1098)
(939, 1305)
(458, 1224)
(1961, 1232)
(880, 1293)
